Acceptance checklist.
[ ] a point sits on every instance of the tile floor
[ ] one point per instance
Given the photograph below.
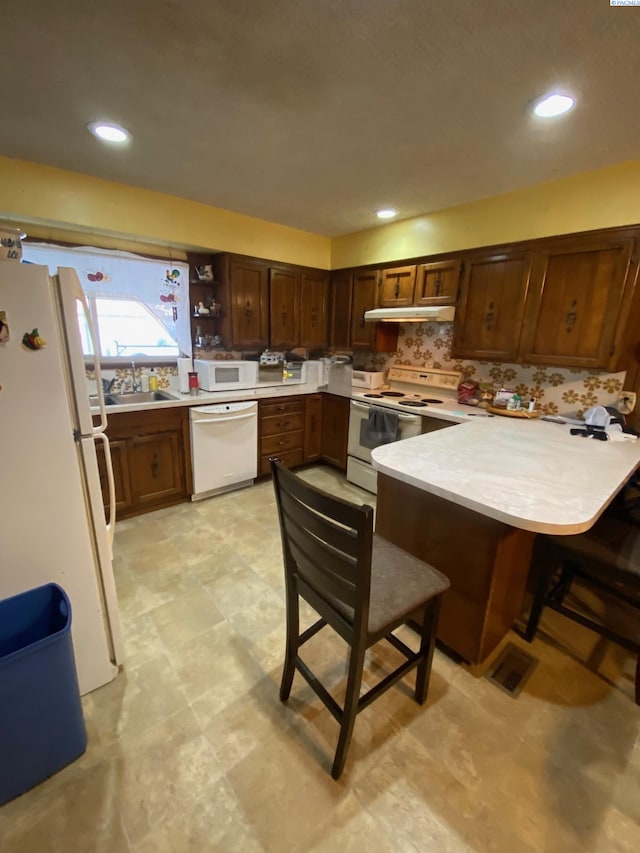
(190, 749)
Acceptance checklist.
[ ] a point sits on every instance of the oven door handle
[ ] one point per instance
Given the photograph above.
(407, 419)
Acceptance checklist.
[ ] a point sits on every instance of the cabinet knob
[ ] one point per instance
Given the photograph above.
(572, 316)
(489, 317)
(155, 466)
(437, 285)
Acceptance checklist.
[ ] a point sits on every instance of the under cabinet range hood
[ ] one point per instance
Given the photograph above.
(412, 314)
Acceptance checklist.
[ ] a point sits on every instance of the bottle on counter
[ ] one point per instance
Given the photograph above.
(153, 380)
(144, 380)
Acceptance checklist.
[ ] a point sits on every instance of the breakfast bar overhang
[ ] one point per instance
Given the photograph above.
(470, 501)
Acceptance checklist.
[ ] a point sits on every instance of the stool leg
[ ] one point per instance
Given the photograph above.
(291, 648)
(538, 604)
(638, 679)
(427, 645)
(356, 665)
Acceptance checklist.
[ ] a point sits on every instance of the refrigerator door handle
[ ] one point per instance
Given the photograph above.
(111, 524)
(96, 430)
(72, 294)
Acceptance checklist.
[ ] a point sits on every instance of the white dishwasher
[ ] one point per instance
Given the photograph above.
(224, 447)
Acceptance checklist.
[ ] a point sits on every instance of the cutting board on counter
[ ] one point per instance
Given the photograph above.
(517, 413)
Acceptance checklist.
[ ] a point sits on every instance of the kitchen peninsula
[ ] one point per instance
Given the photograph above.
(471, 500)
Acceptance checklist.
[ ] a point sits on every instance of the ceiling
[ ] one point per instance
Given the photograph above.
(315, 114)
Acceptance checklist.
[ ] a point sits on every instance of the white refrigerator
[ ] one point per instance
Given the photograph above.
(52, 521)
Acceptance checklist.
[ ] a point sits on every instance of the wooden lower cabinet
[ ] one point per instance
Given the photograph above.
(281, 431)
(312, 427)
(151, 458)
(335, 430)
(303, 429)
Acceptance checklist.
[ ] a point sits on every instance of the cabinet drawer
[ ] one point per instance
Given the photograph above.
(274, 444)
(284, 407)
(289, 458)
(282, 423)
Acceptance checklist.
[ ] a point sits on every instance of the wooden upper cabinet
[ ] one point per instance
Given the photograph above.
(249, 295)
(575, 302)
(491, 306)
(340, 310)
(314, 305)
(396, 287)
(284, 307)
(437, 283)
(365, 291)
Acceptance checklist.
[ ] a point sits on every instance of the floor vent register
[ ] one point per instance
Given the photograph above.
(512, 669)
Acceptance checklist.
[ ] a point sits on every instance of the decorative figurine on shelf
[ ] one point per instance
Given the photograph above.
(201, 309)
(215, 308)
(205, 272)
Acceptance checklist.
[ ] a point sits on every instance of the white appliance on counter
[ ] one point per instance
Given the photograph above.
(220, 375)
(224, 447)
(369, 379)
(340, 375)
(52, 524)
(422, 400)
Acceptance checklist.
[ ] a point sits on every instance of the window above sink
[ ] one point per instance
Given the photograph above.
(139, 306)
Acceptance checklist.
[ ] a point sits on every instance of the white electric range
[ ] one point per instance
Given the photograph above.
(418, 399)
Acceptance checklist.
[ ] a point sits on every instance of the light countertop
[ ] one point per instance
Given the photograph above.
(208, 398)
(531, 474)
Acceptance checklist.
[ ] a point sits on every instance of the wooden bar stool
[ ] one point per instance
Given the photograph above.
(604, 559)
(360, 584)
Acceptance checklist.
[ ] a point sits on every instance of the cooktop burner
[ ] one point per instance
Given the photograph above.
(416, 404)
(431, 400)
(392, 394)
(377, 396)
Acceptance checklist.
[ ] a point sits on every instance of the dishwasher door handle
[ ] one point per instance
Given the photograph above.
(221, 420)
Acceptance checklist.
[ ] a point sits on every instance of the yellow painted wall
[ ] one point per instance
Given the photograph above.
(600, 199)
(71, 202)
(57, 204)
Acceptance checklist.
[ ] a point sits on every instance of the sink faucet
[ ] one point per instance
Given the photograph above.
(135, 385)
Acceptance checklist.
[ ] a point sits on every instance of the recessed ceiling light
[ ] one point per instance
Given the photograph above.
(386, 213)
(109, 132)
(553, 105)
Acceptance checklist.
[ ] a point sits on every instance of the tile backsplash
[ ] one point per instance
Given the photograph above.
(555, 389)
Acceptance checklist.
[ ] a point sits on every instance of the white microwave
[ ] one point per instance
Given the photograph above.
(226, 375)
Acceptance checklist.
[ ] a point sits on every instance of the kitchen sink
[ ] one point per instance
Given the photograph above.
(109, 400)
(132, 397)
(141, 397)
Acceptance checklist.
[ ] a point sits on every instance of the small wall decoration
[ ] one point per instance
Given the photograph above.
(33, 341)
(4, 327)
(98, 276)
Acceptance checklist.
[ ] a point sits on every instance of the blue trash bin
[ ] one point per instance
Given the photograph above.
(41, 722)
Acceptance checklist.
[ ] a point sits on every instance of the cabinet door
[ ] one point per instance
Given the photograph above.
(249, 285)
(491, 307)
(437, 283)
(156, 470)
(335, 429)
(340, 316)
(397, 286)
(312, 427)
(284, 308)
(365, 291)
(122, 481)
(314, 299)
(575, 301)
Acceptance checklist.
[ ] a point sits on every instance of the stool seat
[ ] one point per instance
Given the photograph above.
(611, 548)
